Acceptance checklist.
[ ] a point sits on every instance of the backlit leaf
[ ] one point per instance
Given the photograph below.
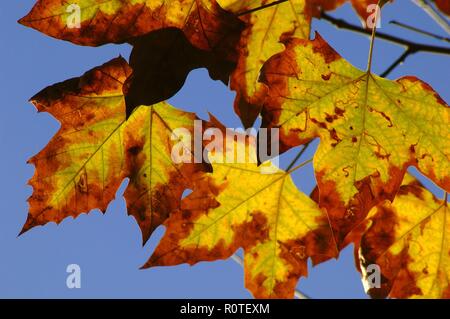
(96, 149)
(259, 41)
(204, 23)
(83, 165)
(371, 129)
(409, 239)
(237, 206)
(156, 181)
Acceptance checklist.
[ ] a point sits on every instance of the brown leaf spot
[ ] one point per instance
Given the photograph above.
(326, 77)
(322, 47)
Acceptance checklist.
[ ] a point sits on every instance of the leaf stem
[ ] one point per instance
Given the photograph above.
(299, 155)
(446, 199)
(299, 166)
(372, 41)
(298, 294)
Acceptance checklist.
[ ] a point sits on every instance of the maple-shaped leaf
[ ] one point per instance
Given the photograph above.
(259, 41)
(371, 129)
(409, 239)
(267, 23)
(157, 182)
(96, 149)
(204, 23)
(237, 206)
(82, 166)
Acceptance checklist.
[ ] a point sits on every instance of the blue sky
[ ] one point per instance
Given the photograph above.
(108, 247)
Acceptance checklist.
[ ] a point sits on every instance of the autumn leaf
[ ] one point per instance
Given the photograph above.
(237, 206)
(259, 41)
(371, 129)
(262, 38)
(83, 165)
(409, 239)
(96, 149)
(204, 23)
(156, 181)
(159, 72)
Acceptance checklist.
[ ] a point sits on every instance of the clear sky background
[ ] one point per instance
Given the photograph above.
(108, 247)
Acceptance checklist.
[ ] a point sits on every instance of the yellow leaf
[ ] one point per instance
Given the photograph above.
(409, 239)
(156, 181)
(236, 206)
(371, 129)
(259, 41)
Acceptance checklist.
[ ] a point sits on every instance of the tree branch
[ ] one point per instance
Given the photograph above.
(424, 32)
(397, 62)
(342, 24)
(298, 294)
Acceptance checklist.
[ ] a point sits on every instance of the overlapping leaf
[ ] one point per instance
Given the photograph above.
(371, 129)
(95, 149)
(83, 165)
(262, 38)
(409, 239)
(161, 61)
(259, 41)
(156, 181)
(236, 206)
(204, 23)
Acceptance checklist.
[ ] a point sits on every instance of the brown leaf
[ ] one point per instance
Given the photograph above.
(161, 61)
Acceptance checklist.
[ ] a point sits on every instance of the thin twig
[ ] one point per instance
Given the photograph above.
(424, 32)
(298, 294)
(434, 14)
(397, 62)
(299, 155)
(342, 24)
